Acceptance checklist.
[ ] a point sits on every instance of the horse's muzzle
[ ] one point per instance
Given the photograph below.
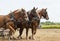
(47, 18)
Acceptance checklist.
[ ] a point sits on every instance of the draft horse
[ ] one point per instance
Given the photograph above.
(9, 21)
(41, 13)
(34, 20)
(28, 24)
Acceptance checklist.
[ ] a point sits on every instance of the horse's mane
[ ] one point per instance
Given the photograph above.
(19, 10)
(38, 11)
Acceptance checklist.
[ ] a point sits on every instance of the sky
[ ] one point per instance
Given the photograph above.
(53, 7)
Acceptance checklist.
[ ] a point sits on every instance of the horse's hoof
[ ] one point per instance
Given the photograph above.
(31, 38)
(10, 38)
(19, 37)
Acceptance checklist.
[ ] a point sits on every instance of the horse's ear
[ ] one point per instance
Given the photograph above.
(33, 8)
(22, 9)
(36, 8)
(46, 9)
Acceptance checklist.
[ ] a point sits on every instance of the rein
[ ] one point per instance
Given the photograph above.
(12, 18)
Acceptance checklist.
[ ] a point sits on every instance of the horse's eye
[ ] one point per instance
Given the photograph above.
(45, 12)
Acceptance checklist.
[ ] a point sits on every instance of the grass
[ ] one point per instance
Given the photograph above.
(51, 26)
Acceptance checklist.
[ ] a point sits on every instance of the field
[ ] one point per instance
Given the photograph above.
(50, 26)
(42, 35)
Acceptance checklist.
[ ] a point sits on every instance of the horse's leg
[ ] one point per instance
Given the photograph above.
(12, 29)
(9, 25)
(33, 32)
(31, 37)
(21, 31)
(10, 33)
(27, 33)
(35, 28)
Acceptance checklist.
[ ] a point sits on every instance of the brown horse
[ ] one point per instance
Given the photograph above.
(41, 13)
(28, 24)
(15, 15)
(34, 19)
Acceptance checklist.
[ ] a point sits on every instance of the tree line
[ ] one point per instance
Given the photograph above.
(50, 23)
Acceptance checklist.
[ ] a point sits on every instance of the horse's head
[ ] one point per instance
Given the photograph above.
(20, 14)
(43, 13)
(32, 13)
(24, 14)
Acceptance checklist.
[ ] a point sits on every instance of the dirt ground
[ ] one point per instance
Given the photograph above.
(42, 35)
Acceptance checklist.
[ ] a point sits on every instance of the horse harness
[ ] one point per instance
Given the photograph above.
(12, 19)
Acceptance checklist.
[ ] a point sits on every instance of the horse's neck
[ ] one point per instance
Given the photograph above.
(40, 16)
(39, 12)
(29, 15)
